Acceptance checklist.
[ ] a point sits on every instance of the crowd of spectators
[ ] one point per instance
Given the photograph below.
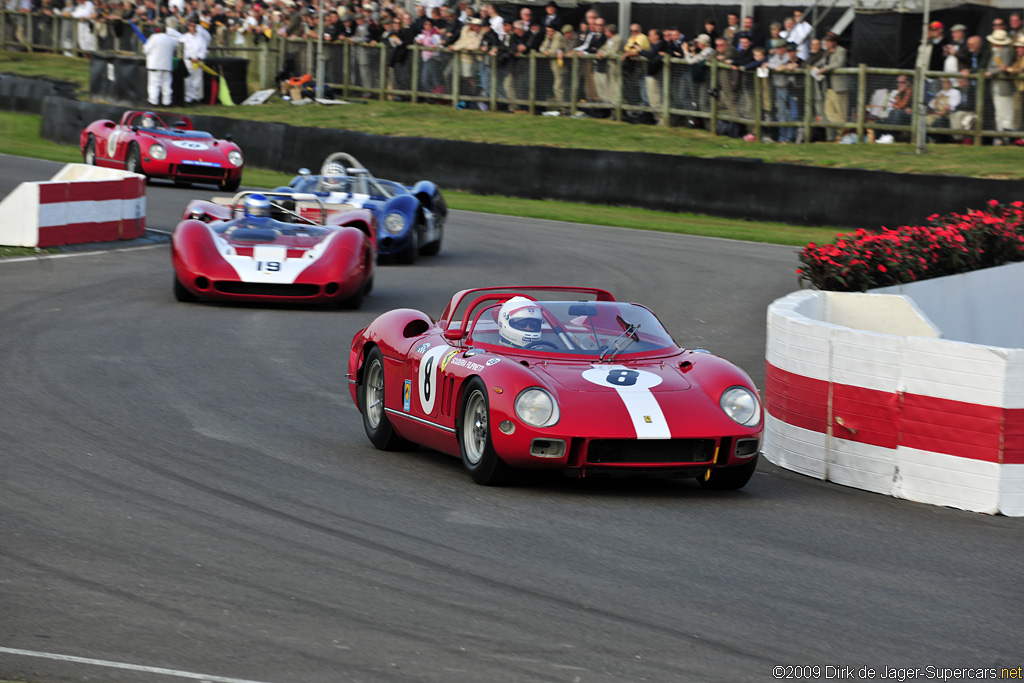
(481, 37)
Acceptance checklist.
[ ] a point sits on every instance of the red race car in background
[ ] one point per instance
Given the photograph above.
(558, 378)
(254, 249)
(163, 146)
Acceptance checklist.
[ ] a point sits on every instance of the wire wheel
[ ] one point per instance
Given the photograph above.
(374, 393)
(371, 404)
(475, 428)
(474, 431)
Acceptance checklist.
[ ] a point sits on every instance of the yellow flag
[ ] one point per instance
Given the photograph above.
(223, 94)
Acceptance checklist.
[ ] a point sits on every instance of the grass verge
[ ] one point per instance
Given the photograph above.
(445, 122)
(20, 136)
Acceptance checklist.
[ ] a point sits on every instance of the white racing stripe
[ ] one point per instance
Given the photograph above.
(127, 667)
(634, 388)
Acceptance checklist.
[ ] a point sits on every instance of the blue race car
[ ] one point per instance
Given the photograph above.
(410, 220)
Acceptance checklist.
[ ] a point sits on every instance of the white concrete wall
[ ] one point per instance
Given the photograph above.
(875, 399)
(981, 307)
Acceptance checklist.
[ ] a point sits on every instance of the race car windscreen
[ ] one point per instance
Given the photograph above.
(592, 329)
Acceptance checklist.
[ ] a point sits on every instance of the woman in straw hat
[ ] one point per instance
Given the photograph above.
(1016, 70)
(1002, 89)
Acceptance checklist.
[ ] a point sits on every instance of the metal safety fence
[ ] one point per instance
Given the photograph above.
(852, 105)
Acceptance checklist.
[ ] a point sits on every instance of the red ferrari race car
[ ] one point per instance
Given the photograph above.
(163, 146)
(573, 381)
(255, 249)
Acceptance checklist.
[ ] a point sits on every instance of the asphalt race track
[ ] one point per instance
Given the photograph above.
(187, 489)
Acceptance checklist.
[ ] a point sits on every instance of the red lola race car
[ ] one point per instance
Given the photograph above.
(255, 249)
(505, 380)
(163, 146)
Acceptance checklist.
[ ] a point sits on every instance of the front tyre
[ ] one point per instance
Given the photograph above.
(371, 404)
(729, 478)
(478, 455)
(434, 248)
(229, 185)
(89, 155)
(182, 294)
(133, 160)
(412, 249)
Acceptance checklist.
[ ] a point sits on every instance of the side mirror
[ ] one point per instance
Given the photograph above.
(455, 334)
(228, 137)
(304, 171)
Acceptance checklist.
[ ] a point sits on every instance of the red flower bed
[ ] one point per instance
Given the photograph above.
(956, 243)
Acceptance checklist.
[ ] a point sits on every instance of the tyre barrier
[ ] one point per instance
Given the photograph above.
(80, 204)
(863, 390)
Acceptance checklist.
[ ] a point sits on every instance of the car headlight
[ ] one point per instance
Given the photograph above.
(741, 405)
(235, 157)
(536, 407)
(394, 223)
(158, 152)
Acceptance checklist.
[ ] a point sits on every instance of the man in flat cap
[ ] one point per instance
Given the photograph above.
(837, 87)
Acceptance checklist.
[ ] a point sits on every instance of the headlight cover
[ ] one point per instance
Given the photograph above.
(536, 407)
(235, 157)
(394, 222)
(742, 405)
(157, 152)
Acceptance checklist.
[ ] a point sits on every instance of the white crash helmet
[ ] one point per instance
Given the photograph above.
(256, 206)
(519, 321)
(332, 177)
(149, 120)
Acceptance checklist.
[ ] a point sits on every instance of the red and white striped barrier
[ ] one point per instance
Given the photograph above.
(860, 390)
(80, 204)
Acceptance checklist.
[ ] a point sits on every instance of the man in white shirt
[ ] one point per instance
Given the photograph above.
(85, 12)
(195, 45)
(159, 50)
(494, 19)
(800, 35)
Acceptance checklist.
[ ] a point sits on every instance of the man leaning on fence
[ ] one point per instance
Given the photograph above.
(555, 47)
(837, 87)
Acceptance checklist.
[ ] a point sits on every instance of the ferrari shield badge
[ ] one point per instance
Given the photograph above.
(406, 394)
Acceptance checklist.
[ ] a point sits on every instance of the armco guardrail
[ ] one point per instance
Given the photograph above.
(861, 390)
(80, 204)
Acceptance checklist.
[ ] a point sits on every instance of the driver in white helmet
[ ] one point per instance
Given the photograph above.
(519, 322)
(149, 120)
(332, 177)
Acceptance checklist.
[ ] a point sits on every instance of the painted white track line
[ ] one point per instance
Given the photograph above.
(128, 667)
(72, 254)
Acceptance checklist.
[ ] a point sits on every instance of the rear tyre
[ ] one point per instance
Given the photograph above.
(182, 294)
(411, 251)
(729, 478)
(478, 455)
(89, 155)
(371, 404)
